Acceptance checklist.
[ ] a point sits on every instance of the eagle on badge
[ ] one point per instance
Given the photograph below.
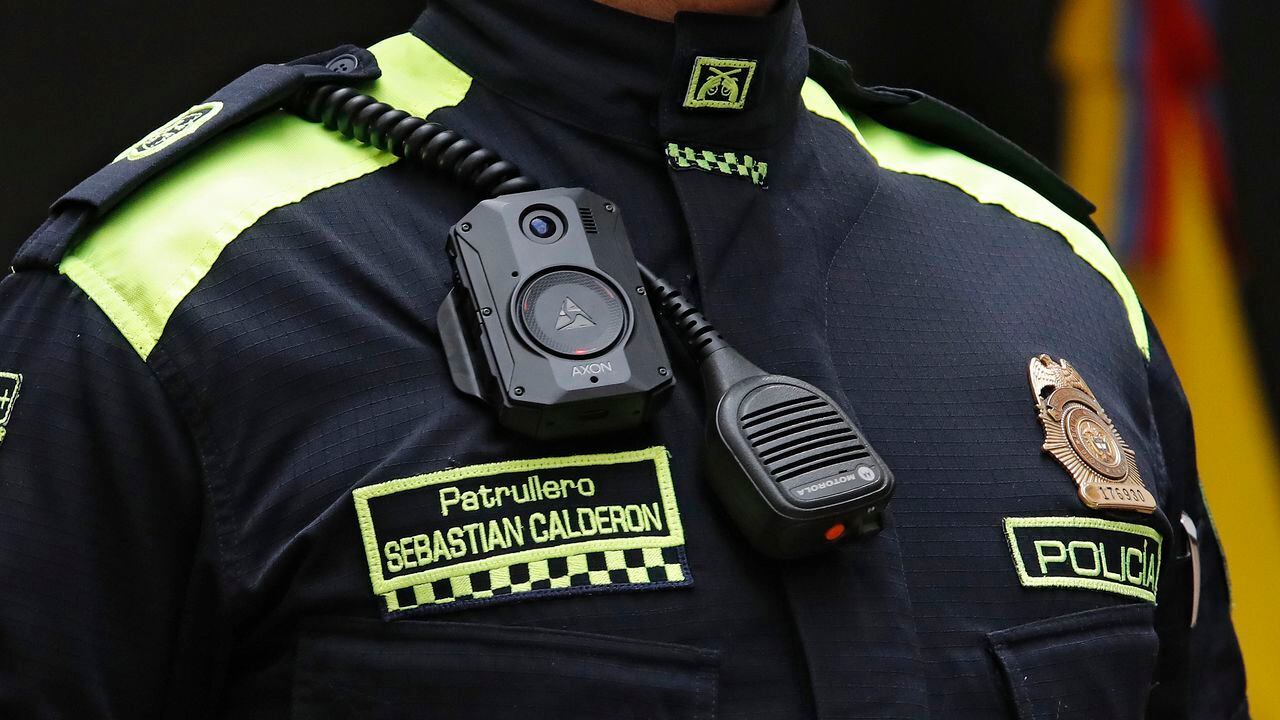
(1079, 435)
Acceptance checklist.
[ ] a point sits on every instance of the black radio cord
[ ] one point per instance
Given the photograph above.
(428, 144)
(431, 145)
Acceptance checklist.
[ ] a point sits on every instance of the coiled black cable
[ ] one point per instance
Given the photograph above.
(366, 120)
(684, 318)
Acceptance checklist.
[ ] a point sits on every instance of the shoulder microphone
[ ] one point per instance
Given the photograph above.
(790, 466)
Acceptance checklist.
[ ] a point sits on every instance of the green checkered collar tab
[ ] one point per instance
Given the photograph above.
(728, 163)
(522, 529)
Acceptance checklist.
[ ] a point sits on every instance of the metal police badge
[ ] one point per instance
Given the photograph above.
(1078, 433)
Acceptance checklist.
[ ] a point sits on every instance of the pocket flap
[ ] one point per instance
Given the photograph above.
(368, 669)
(1087, 665)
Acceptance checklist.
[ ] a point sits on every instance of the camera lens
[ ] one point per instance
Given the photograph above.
(542, 226)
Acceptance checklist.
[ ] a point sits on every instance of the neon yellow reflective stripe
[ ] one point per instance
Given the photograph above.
(902, 153)
(416, 78)
(154, 249)
(819, 102)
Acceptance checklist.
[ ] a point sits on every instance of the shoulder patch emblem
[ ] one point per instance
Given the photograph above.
(10, 385)
(171, 132)
(514, 530)
(1078, 433)
(720, 83)
(1086, 554)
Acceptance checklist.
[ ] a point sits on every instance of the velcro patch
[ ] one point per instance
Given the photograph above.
(719, 83)
(171, 132)
(526, 528)
(1086, 553)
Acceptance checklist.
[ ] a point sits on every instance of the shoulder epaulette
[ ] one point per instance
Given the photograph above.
(910, 133)
(262, 89)
(934, 121)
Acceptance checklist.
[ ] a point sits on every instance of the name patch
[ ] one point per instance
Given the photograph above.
(1086, 553)
(524, 528)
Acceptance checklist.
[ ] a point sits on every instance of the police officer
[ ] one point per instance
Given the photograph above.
(236, 479)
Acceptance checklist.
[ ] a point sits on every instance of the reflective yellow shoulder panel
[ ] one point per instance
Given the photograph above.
(161, 242)
(902, 153)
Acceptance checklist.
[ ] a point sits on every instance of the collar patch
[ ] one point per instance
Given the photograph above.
(171, 132)
(1087, 554)
(1078, 433)
(720, 83)
(515, 530)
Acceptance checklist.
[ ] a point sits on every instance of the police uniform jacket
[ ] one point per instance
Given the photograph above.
(236, 480)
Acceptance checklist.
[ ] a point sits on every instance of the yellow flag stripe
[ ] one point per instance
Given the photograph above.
(1191, 294)
(1085, 52)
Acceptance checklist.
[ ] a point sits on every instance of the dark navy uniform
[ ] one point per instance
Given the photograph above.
(232, 450)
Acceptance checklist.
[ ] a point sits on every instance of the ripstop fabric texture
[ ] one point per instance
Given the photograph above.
(179, 491)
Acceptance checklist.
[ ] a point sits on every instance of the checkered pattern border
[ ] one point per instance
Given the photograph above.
(683, 157)
(586, 572)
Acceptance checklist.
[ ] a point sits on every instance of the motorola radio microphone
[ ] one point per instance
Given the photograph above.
(788, 464)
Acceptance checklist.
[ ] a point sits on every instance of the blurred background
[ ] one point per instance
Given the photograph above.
(1162, 112)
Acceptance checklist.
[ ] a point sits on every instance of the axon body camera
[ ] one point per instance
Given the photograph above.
(548, 320)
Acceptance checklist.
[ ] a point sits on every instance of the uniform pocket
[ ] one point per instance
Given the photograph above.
(371, 670)
(1084, 666)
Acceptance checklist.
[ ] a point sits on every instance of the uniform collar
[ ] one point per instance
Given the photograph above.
(617, 74)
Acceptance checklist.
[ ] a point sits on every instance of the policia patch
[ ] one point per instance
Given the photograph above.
(1086, 554)
(527, 528)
